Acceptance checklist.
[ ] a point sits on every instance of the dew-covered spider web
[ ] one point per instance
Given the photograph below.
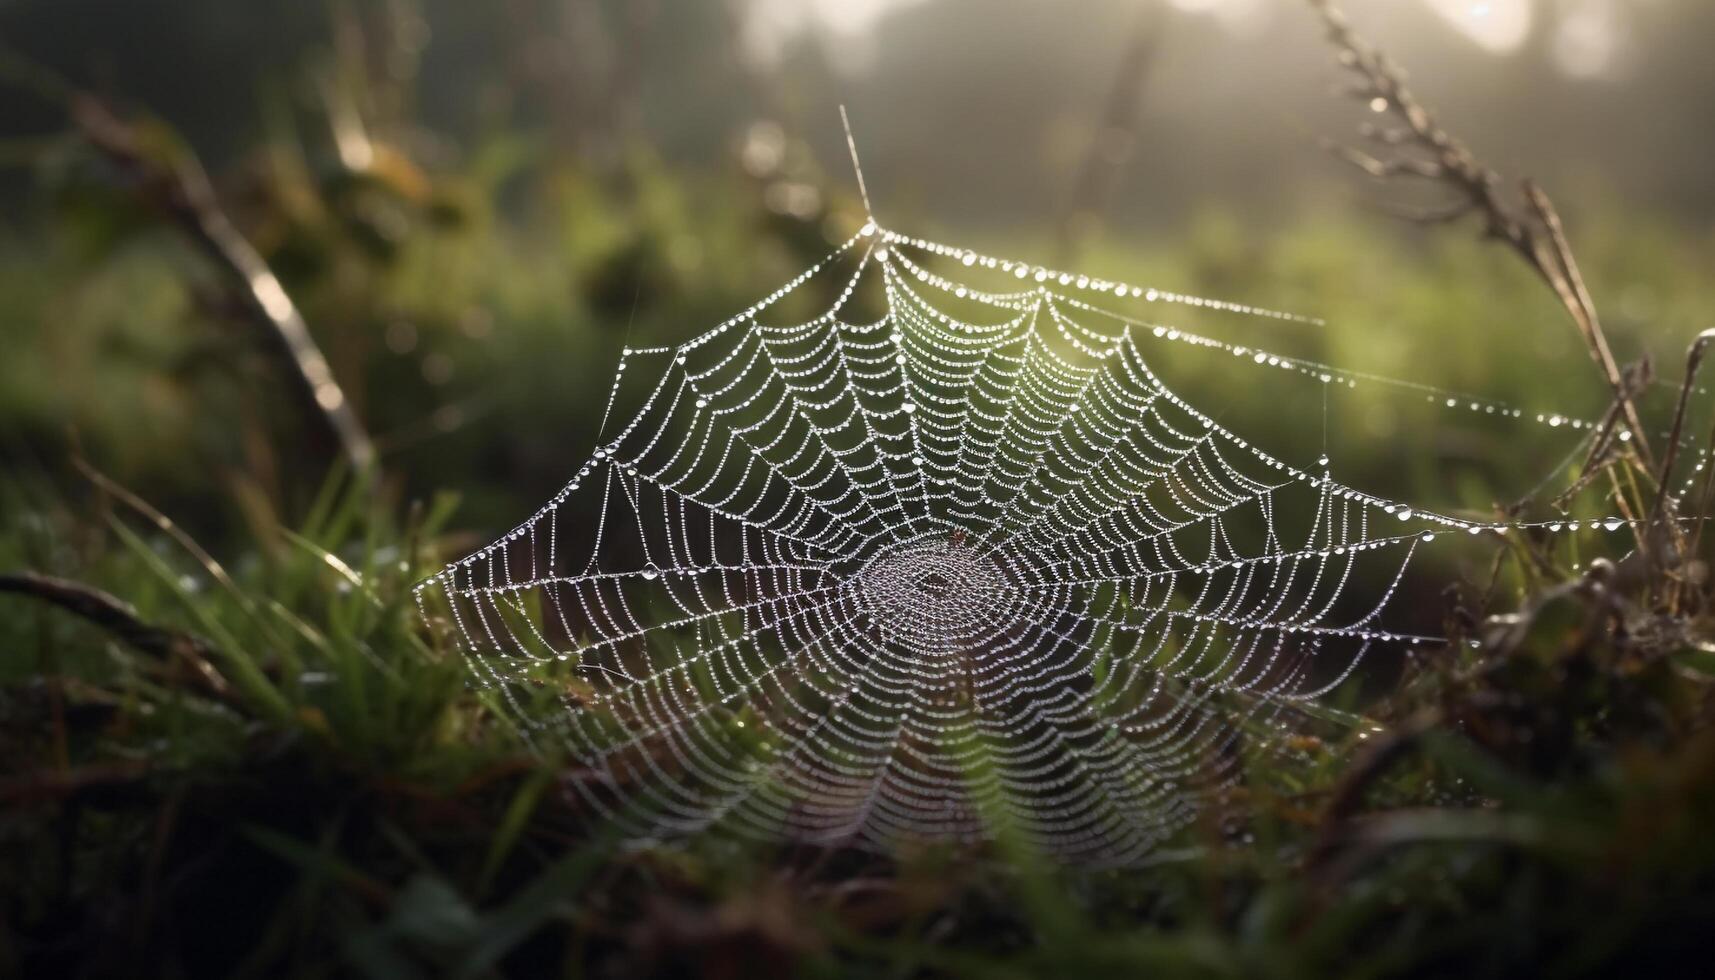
(961, 563)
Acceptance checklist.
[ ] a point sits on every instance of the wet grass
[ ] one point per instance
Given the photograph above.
(291, 778)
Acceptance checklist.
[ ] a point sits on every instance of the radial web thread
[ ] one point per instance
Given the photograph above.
(969, 565)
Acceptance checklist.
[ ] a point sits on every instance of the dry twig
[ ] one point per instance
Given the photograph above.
(1418, 148)
(120, 620)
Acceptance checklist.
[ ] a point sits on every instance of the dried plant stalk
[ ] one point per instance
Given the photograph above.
(181, 190)
(1416, 147)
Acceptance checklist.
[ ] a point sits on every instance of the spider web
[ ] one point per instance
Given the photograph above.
(965, 569)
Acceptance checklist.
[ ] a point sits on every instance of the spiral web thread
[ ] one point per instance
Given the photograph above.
(966, 567)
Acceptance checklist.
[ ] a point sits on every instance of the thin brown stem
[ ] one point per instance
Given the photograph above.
(162, 522)
(1575, 295)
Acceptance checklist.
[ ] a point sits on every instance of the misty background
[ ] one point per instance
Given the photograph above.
(969, 112)
(477, 205)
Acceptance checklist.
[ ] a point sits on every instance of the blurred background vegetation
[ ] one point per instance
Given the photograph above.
(475, 206)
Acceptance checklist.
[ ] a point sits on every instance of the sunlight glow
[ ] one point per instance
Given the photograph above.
(1233, 13)
(771, 25)
(1588, 38)
(1497, 25)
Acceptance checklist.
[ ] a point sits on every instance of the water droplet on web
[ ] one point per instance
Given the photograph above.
(1062, 453)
